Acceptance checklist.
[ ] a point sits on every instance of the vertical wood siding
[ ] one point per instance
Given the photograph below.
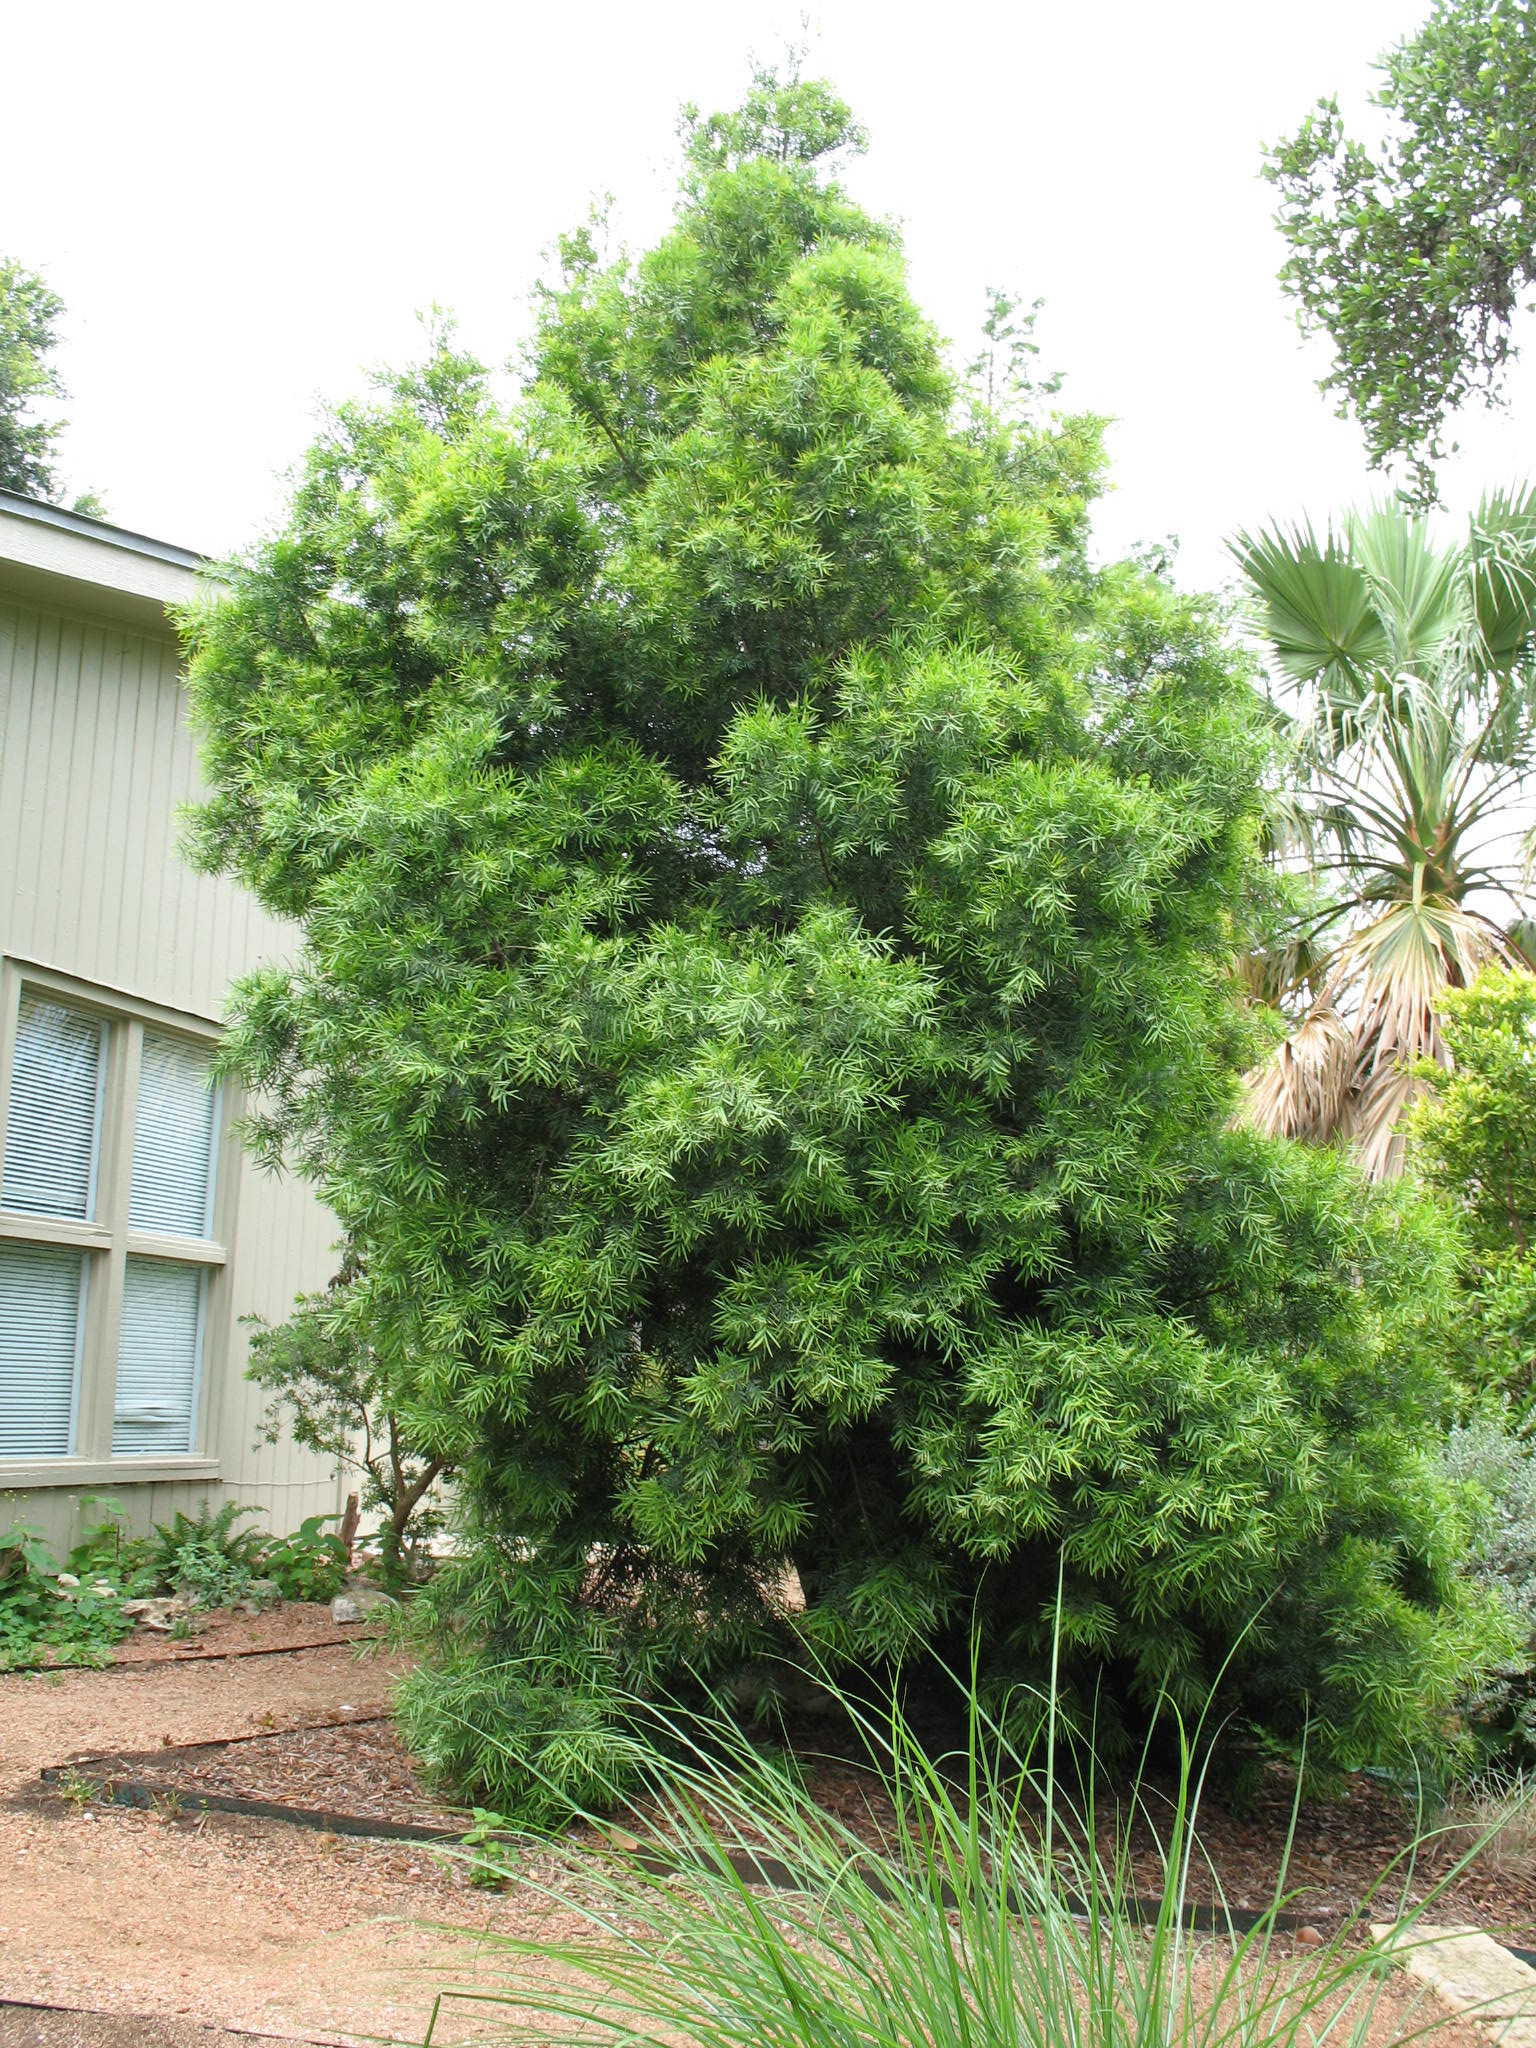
(95, 760)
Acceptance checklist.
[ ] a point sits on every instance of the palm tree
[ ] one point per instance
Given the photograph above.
(1412, 671)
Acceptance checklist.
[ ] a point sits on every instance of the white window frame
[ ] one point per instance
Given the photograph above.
(107, 1242)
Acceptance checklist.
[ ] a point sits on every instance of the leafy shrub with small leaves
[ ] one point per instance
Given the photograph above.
(1499, 1470)
(1474, 1143)
(333, 1391)
(207, 1559)
(311, 1564)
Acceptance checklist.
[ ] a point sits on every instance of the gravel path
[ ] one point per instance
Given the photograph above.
(162, 1928)
(219, 1920)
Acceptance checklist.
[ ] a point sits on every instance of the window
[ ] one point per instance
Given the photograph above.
(108, 1178)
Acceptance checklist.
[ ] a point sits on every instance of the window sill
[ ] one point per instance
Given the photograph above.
(17, 1473)
(58, 1230)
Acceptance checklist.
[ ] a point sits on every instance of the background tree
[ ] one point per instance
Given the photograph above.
(765, 1019)
(1413, 259)
(1474, 1138)
(29, 317)
(1412, 713)
(331, 1393)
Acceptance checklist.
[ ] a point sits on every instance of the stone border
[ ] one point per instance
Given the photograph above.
(1476, 1976)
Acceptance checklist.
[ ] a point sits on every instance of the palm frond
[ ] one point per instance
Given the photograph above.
(1417, 591)
(1277, 972)
(1501, 563)
(1402, 963)
(1302, 1090)
(1316, 608)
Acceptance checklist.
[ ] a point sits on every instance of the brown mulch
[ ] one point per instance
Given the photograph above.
(1344, 1847)
(1350, 1852)
(346, 1764)
(227, 1632)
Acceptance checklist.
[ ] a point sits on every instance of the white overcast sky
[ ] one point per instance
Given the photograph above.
(244, 206)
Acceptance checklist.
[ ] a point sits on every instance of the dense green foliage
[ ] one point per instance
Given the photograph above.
(766, 1021)
(49, 1617)
(1414, 259)
(310, 1563)
(206, 1558)
(1475, 1143)
(1499, 1469)
(29, 317)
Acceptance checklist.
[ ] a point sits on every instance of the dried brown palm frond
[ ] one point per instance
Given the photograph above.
(1303, 1089)
(1335, 1082)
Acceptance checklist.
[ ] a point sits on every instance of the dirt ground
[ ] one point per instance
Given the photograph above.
(220, 1920)
(161, 1927)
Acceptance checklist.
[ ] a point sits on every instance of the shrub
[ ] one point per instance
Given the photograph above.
(311, 1564)
(1500, 1471)
(331, 1389)
(206, 1559)
(48, 1617)
(765, 1019)
(1474, 1142)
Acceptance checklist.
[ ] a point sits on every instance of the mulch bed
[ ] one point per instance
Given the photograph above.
(1347, 1851)
(226, 1632)
(352, 1765)
(357, 1766)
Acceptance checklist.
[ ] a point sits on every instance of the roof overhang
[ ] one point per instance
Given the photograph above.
(63, 560)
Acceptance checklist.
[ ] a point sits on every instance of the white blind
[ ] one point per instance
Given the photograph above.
(41, 1299)
(54, 1121)
(158, 1357)
(173, 1144)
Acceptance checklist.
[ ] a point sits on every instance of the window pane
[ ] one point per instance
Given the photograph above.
(41, 1299)
(157, 1359)
(54, 1123)
(173, 1145)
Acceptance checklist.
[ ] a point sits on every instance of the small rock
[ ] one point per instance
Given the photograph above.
(1309, 1937)
(158, 1613)
(370, 1600)
(68, 1581)
(358, 1602)
(102, 1591)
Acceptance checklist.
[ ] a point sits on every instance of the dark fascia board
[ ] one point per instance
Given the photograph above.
(63, 560)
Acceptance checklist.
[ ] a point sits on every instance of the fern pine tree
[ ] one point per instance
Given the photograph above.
(765, 1019)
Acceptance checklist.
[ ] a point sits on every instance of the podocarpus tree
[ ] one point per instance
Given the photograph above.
(765, 1018)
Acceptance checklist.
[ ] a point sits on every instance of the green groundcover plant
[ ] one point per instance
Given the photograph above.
(765, 1021)
(71, 1615)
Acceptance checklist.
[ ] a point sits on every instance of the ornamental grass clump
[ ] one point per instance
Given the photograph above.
(732, 1910)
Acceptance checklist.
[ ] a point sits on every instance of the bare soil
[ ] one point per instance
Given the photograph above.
(154, 1925)
(219, 1920)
